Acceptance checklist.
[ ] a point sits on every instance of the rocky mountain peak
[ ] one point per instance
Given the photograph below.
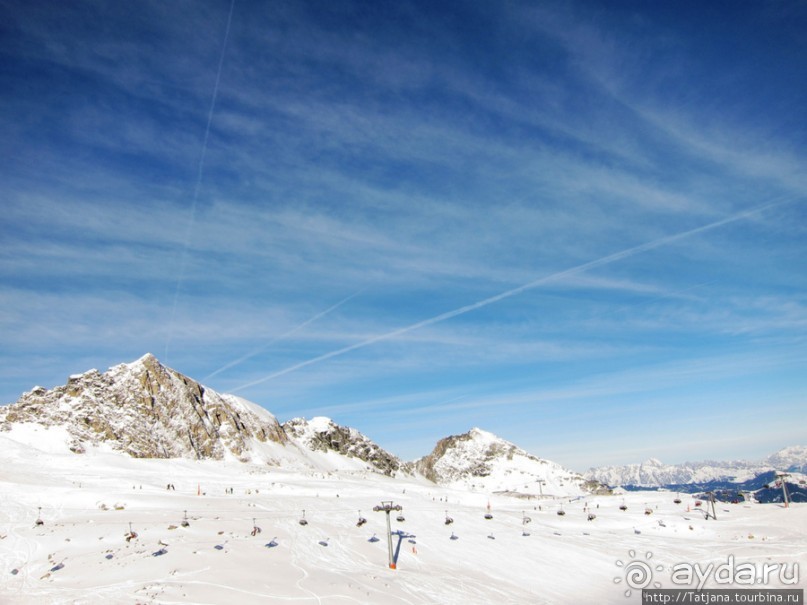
(481, 460)
(323, 434)
(147, 410)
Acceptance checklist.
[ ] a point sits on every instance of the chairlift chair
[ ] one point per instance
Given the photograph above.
(39, 520)
(525, 519)
(449, 520)
(591, 516)
(488, 515)
(561, 512)
(302, 520)
(185, 522)
(623, 506)
(361, 520)
(131, 535)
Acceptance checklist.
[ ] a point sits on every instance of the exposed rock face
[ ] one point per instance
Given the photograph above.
(147, 411)
(322, 434)
(481, 460)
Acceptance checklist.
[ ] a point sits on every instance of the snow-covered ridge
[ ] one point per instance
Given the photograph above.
(480, 460)
(323, 434)
(654, 473)
(147, 410)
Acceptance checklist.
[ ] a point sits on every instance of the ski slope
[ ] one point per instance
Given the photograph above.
(79, 553)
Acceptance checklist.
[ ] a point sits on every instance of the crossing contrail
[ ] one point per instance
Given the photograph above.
(605, 260)
(282, 336)
(199, 173)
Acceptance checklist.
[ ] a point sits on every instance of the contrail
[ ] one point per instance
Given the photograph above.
(199, 173)
(605, 260)
(282, 336)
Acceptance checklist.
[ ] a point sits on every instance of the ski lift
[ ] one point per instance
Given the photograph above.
(39, 520)
(255, 529)
(453, 536)
(361, 520)
(677, 499)
(591, 516)
(302, 520)
(491, 537)
(185, 522)
(131, 535)
(561, 512)
(449, 520)
(488, 515)
(400, 518)
(698, 502)
(525, 533)
(373, 538)
(323, 542)
(525, 519)
(648, 510)
(623, 506)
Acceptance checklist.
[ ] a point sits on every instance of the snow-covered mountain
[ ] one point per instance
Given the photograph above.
(147, 410)
(654, 473)
(792, 459)
(480, 460)
(324, 435)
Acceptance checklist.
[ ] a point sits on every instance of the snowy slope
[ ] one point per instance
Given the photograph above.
(89, 503)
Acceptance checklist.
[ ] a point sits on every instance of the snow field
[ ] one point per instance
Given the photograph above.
(80, 555)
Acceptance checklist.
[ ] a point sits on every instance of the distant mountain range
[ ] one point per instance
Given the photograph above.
(146, 410)
(653, 473)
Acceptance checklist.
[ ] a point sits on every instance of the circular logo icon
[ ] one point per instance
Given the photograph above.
(637, 572)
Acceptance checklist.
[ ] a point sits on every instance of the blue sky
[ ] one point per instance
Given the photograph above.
(578, 225)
